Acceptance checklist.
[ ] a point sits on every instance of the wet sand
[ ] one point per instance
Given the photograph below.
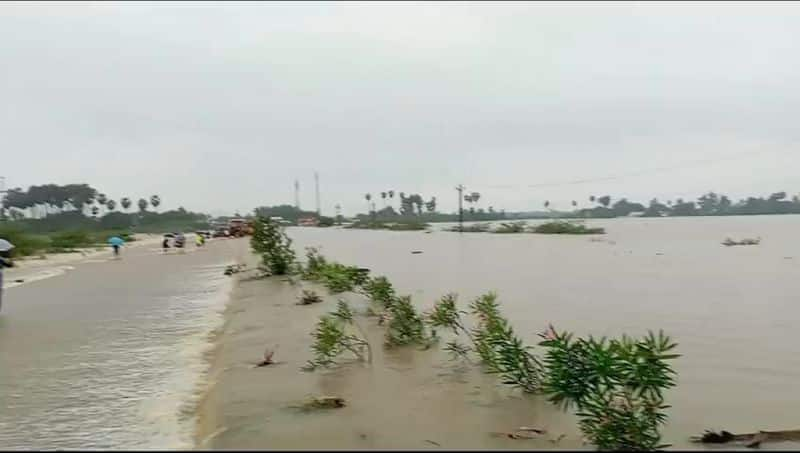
(732, 311)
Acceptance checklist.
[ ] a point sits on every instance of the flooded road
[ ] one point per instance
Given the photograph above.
(109, 354)
(733, 310)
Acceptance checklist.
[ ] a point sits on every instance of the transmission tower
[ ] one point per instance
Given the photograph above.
(316, 184)
(297, 194)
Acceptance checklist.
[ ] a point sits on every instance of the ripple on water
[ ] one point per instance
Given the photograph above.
(134, 384)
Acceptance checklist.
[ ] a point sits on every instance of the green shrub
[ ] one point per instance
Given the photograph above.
(380, 291)
(563, 227)
(616, 385)
(67, 240)
(513, 227)
(331, 339)
(271, 242)
(405, 324)
(474, 228)
(25, 244)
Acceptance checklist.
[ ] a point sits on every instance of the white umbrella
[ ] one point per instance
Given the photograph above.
(5, 245)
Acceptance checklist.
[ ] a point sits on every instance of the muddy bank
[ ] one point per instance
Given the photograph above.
(407, 398)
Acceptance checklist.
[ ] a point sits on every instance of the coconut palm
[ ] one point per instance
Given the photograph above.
(368, 197)
(102, 199)
(125, 203)
(592, 199)
(111, 205)
(574, 204)
(547, 204)
(383, 196)
(155, 201)
(142, 205)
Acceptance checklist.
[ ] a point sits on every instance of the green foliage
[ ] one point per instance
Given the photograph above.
(562, 227)
(25, 244)
(512, 227)
(336, 277)
(271, 242)
(331, 339)
(501, 351)
(380, 291)
(70, 240)
(474, 228)
(617, 386)
(392, 226)
(405, 324)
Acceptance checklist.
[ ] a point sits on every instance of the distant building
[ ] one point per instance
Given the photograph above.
(308, 221)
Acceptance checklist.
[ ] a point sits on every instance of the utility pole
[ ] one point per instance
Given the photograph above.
(316, 183)
(2, 197)
(460, 189)
(297, 194)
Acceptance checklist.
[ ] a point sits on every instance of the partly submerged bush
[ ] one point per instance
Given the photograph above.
(564, 227)
(393, 226)
(336, 277)
(474, 228)
(380, 291)
(616, 385)
(309, 297)
(405, 324)
(493, 340)
(511, 227)
(332, 338)
(271, 242)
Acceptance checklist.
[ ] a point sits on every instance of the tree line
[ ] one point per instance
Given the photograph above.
(40, 201)
(708, 204)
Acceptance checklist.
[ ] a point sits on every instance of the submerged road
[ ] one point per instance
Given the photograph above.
(105, 355)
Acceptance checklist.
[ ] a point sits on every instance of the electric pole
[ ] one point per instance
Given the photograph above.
(2, 197)
(297, 194)
(460, 189)
(316, 183)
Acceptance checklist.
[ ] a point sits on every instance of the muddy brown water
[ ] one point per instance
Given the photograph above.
(733, 311)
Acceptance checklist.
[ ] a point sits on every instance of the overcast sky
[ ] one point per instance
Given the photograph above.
(221, 106)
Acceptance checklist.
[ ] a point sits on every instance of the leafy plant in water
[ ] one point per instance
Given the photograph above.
(309, 297)
(617, 386)
(379, 290)
(405, 324)
(331, 339)
(500, 349)
(271, 242)
(511, 227)
(336, 277)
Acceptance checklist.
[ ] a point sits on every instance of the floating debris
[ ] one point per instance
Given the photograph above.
(309, 297)
(234, 269)
(433, 443)
(416, 252)
(750, 440)
(268, 353)
(322, 402)
(728, 242)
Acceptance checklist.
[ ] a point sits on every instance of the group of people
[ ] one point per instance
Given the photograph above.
(179, 241)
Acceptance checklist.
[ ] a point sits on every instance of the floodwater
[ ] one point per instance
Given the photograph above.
(733, 310)
(109, 354)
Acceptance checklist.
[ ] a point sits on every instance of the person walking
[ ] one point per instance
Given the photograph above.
(5, 261)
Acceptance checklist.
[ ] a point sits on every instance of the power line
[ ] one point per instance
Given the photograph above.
(656, 170)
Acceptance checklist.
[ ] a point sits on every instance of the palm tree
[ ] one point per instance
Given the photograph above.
(383, 195)
(125, 203)
(102, 199)
(155, 201)
(142, 205)
(95, 211)
(547, 204)
(368, 197)
(111, 205)
(592, 199)
(475, 197)
(574, 204)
